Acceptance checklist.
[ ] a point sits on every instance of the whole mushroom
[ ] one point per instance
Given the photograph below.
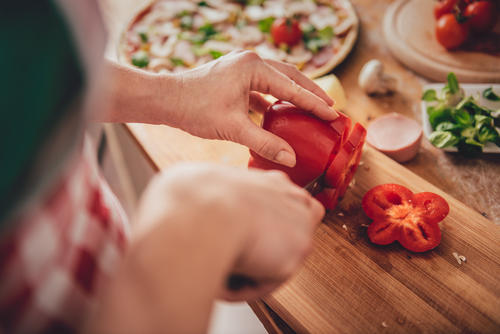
(373, 80)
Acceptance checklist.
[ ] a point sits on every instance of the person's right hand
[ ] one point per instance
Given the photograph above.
(268, 219)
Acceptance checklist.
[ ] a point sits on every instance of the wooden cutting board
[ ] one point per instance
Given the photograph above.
(349, 285)
(409, 33)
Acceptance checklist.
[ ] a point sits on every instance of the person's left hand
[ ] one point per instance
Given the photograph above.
(214, 100)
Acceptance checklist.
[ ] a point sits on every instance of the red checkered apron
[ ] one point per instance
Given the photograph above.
(59, 251)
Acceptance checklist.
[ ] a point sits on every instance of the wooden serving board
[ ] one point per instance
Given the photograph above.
(349, 285)
(408, 28)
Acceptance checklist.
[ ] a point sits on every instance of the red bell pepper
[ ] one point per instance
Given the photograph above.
(400, 215)
(317, 144)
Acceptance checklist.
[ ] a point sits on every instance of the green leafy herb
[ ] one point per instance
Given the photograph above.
(265, 24)
(315, 39)
(184, 13)
(140, 59)
(439, 115)
(462, 117)
(429, 95)
(177, 61)
(443, 139)
(144, 36)
(448, 126)
(459, 120)
(453, 83)
(202, 4)
(490, 95)
(203, 34)
(326, 33)
(254, 2)
(215, 54)
(207, 29)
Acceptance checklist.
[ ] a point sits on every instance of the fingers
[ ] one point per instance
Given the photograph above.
(266, 144)
(293, 73)
(258, 103)
(269, 80)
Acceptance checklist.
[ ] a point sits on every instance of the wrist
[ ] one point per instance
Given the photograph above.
(136, 96)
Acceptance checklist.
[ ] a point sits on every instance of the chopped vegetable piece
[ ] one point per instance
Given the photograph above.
(490, 95)
(459, 121)
(429, 95)
(265, 24)
(140, 59)
(215, 54)
(286, 31)
(144, 36)
(177, 61)
(400, 215)
(314, 39)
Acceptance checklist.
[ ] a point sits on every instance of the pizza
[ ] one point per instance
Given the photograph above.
(176, 35)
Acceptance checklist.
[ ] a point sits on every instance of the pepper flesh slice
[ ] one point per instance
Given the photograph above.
(400, 215)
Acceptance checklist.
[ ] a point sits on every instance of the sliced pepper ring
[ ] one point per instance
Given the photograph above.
(399, 215)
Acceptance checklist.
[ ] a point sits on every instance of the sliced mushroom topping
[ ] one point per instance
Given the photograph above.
(167, 29)
(300, 8)
(299, 55)
(184, 51)
(174, 8)
(248, 35)
(344, 26)
(256, 13)
(213, 15)
(323, 18)
(265, 50)
(157, 64)
(223, 47)
(164, 50)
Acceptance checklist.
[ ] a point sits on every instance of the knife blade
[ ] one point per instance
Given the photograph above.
(315, 186)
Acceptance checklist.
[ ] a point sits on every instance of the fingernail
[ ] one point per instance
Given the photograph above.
(285, 158)
(333, 114)
(330, 101)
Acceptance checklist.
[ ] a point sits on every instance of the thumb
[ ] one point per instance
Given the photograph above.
(266, 144)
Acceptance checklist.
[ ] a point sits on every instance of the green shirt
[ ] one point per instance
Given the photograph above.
(41, 76)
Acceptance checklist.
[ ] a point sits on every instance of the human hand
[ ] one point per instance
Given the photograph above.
(214, 100)
(259, 221)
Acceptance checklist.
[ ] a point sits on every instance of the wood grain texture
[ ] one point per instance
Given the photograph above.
(349, 285)
(409, 34)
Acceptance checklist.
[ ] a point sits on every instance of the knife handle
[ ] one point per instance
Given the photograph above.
(237, 282)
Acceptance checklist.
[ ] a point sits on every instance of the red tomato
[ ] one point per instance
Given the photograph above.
(444, 7)
(481, 15)
(399, 215)
(450, 33)
(286, 31)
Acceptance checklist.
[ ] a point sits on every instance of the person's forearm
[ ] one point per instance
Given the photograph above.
(135, 96)
(177, 296)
